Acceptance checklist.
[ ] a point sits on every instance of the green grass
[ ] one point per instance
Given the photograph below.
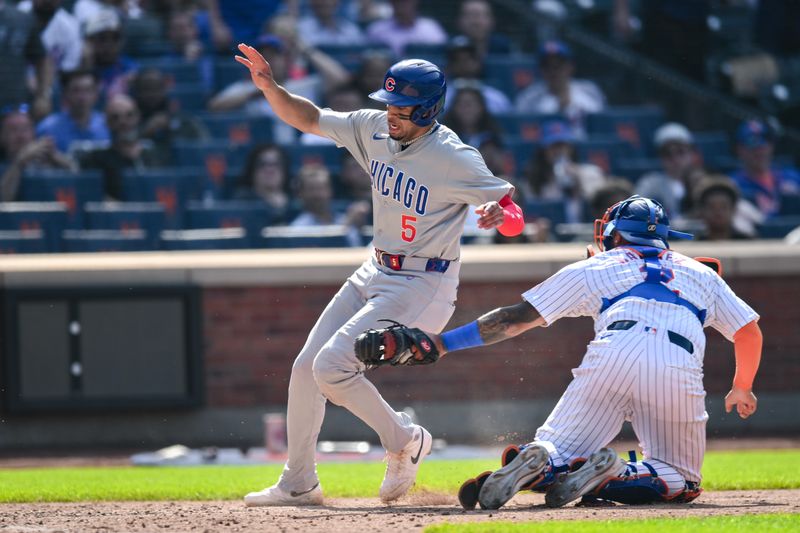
(779, 469)
(722, 524)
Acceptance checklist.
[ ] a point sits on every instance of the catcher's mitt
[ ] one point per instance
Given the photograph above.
(392, 346)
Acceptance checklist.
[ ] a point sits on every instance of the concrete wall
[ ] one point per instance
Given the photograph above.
(258, 307)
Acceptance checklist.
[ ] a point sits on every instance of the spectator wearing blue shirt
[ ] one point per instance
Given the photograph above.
(78, 121)
(759, 180)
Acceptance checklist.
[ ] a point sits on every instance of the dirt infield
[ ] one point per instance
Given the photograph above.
(354, 515)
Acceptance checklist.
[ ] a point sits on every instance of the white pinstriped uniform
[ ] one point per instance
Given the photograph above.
(637, 374)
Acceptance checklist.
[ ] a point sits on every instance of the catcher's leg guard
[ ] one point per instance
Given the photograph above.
(468, 493)
(635, 488)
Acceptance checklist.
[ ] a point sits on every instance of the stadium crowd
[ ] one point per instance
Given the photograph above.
(126, 125)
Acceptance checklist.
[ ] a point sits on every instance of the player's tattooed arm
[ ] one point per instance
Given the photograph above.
(506, 322)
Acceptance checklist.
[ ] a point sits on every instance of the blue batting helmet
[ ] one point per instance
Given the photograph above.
(640, 221)
(414, 82)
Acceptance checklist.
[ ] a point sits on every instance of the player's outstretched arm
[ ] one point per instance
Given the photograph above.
(295, 110)
(747, 344)
(493, 327)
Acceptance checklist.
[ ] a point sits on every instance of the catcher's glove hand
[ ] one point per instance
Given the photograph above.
(393, 346)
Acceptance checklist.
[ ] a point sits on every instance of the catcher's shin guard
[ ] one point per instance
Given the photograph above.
(633, 488)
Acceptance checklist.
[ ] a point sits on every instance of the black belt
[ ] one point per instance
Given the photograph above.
(395, 261)
(675, 338)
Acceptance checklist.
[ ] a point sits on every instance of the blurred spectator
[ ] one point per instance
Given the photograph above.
(160, 121)
(556, 175)
(21, 46)
(679, 158)
(315, 192)
(102, 52)
(469, 116)
(674, 32)
(244, 95)
(238, 21)
(325, 26)
(498, 160)
(354, 181)
(715, 203)
(127, 149)
(61, 32)
(476, 23)
(21, 151)
(78, 120)
(405, 27)
(343, 98)
(614, 190)
(266, 177)
(183, 35)
(465, 63)
(759, 179)
(86, 10)
(369, 78)
(559, 92)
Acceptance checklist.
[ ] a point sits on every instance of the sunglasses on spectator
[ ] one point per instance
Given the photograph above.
(676, 150)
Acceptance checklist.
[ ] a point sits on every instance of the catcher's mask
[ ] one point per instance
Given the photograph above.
(639, 221)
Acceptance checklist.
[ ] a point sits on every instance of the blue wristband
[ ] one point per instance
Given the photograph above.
(463, 337)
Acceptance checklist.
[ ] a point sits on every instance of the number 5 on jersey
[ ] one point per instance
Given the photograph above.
(409, 230)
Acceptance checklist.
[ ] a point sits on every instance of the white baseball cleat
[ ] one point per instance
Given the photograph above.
(601, 465)
(401, 468)
(275, 496)
(504, 483)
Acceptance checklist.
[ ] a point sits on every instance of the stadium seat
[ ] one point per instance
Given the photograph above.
(189, 98)
(30, 241)
(552, 210)
(71, 189)
(633, 124)
(435, 53)
(101, 240)
(171, 187)
(334, 236)
(178, 70)
(219, 158)
(527, 126)
(227, 72)
(49, 217)
(510, 74)
(790, 204)
(327, 154)
(253, 216)
(523, 152)
(633, 168)
(778, 227)
(603, 151)
(238, 128)
(149, 217)
(712, 144)
(204, 239)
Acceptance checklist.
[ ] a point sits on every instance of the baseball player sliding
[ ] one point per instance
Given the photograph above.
(423, 181)
(650, 305)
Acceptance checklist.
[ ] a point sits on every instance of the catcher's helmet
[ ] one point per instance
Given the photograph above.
(639, 220)
(414, 82)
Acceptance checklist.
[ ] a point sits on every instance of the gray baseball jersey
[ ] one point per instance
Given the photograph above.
(420, 194)
(638, 372)
(420, 198)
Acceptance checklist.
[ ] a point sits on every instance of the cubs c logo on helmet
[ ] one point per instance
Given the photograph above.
(389, 84)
